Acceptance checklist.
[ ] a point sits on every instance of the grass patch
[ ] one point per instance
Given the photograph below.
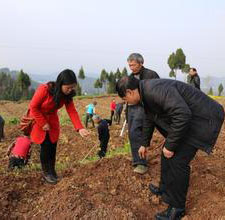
(125, 150)
(94, 96)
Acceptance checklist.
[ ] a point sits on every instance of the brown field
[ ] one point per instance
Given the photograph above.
(106, 189)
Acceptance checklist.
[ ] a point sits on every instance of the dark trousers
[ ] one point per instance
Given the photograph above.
(48, 151)
(103, 147)
(135, 125)
(16, 162)
(112, 113)
(118, 117)
(2, 124)
(175, 173)
(89, 117)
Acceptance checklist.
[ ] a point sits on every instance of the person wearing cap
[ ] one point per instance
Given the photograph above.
(135, 113)
(103, 134)
(44, 106)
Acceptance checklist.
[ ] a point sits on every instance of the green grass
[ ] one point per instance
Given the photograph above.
(94, 96)
(125, 150)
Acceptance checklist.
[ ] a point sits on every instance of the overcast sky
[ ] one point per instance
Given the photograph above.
(46, 36)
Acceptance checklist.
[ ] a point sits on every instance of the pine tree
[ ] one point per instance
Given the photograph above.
(220, 89)
(81, 73)
(210, 91)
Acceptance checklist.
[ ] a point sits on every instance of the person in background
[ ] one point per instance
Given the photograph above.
(47, 100)
(90, 111)
(112, 108)
(103, 134)
(19, 152)
(118, 111)
(179, 112)
(135, 113)
(2, 124)
(193, 78)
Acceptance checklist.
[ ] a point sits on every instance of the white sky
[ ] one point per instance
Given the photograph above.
(45, 36)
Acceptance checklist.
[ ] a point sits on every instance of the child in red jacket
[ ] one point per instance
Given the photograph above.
(19, 152)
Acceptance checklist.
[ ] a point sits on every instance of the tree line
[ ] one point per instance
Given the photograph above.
(107, 80)
(17, 88)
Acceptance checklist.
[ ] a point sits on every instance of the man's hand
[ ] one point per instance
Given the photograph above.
(83, 132)
(168, 154)
(142, 152)
(46, 127)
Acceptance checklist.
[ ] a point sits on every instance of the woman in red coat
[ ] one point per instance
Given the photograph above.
(44, 105)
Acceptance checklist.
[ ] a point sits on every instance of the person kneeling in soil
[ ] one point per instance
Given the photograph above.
(187, 118)
(19, 152)
(103, 134)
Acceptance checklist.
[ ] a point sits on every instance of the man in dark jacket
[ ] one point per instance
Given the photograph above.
(187, 118)
(103, 134)
(2, 124)
(193, 78)
(136, 112)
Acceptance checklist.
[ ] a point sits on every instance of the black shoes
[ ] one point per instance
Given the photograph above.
(49, 178)
(101, 154)
(155, 190)
(49, 174)
(171, 213)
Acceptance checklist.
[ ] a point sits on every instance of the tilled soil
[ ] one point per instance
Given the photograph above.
(104, 189)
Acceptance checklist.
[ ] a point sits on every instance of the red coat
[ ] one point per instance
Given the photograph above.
(41, 107)
(113, 106)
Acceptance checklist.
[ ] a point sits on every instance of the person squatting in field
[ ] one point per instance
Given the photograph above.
(103, 134)
(187, 118)
(135, 112)
(19, 152)
(46, 102)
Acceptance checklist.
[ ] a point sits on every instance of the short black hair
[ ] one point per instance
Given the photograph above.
(126, 82)
(194, 69)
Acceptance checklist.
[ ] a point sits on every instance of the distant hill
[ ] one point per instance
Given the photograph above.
(88, 83)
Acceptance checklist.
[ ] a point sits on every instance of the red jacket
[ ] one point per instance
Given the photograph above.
(113, 106)
(21, 147)
(42, 109)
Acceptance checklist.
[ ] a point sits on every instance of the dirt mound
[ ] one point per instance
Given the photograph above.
(106, 189)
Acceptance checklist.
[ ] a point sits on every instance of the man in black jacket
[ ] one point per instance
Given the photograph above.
(103, 134)
(136, 112)
(187, 118)
(193, 78)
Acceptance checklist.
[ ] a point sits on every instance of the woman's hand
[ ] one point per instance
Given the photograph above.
(46, 127)
(168, 154)
(83, 132)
